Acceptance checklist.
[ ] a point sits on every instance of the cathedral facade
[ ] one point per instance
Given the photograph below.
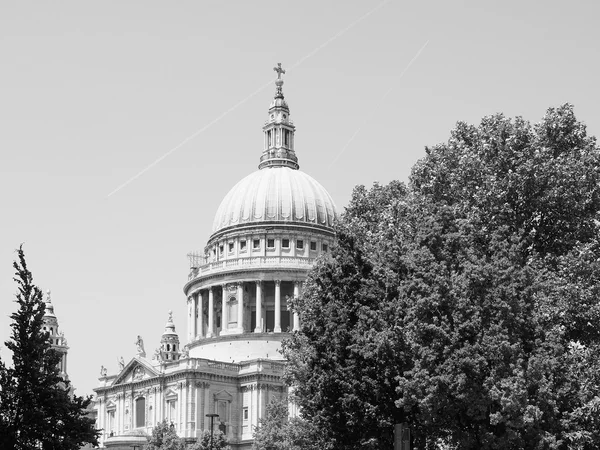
(267, 233)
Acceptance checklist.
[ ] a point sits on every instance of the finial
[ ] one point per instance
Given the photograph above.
(49, 296)
(279, 81)
(170, 316)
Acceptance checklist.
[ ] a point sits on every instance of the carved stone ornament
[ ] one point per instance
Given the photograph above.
(138, 373)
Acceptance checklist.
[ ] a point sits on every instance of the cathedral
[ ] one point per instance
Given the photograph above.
(266, 235)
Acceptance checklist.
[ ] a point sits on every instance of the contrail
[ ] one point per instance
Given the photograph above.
(376, 107)
(190, 137)
(241, 102)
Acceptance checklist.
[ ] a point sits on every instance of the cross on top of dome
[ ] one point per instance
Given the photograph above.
(279, 70)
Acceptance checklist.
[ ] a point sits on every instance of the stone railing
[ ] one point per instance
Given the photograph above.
(258, 262)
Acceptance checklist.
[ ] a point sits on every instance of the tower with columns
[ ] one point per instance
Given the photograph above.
(267, 233)
(57, 338)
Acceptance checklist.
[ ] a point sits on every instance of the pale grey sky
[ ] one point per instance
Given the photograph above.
(91, 93)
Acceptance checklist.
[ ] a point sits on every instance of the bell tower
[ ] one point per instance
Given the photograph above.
(169, 342)
(57, 339)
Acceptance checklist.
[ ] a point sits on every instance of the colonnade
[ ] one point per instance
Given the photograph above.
(236, 290)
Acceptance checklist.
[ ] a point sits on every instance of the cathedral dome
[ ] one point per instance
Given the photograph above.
(276, 194)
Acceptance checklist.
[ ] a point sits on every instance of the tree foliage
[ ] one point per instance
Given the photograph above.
(164, 437)
(203, 442)
(37, 407)
(279, 432)
(465, 304)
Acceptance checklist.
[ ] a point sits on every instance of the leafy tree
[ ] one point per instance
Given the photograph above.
(164, 437)
(203, 442)
(279, 432)
(37, 407)
(466, 304)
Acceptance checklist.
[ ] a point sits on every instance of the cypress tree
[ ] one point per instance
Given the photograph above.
(37, 406)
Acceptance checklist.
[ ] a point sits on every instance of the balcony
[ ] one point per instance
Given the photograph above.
(252, 262)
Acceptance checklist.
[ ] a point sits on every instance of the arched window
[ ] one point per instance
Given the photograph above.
(140, 412)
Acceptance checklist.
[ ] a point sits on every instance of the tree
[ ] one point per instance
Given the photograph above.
(37, 407)
(164, 437)
(279, 432)
(203, 443)
(466, 304)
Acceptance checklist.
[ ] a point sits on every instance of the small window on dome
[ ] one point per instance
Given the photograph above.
(324, 247)
(270, 243)
(313, 246)
(256, 244)
(285, 243)
(242, 245)
(231, 246)
(221, 248)
(299, 244)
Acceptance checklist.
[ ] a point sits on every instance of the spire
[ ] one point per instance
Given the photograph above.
(49, 305)
(279, 131)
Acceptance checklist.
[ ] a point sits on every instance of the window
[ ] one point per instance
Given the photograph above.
(271, 243)
(285, 243)
(245, 414)
(221, 249)
(299, 244)
(111, 421)
(324, 247)
(286, 135)
(231, 245)
(171, 410)
(140, 412)
(256, 243)
(313, 245)
(243, 245)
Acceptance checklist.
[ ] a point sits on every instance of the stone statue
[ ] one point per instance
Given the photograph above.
(140, 347)
(156, 355)
(103, 371)
(121, 363)
(185, 354)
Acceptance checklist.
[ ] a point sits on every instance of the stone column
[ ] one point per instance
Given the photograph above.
(189, 318)
(259, 302)
(200, 314)
(277, 306)
(240, 311)
(224, 318)
(296, 315)
(194, 320)
(211, 308)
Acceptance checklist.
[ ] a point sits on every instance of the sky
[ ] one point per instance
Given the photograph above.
(96, 98)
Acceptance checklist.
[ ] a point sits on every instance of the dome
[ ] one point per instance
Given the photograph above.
(276, 194)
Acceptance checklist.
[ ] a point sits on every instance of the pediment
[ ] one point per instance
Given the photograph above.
(223, 395)
(170, 394)
(136, 370)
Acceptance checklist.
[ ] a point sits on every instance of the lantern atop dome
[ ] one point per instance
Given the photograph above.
(279, 131)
